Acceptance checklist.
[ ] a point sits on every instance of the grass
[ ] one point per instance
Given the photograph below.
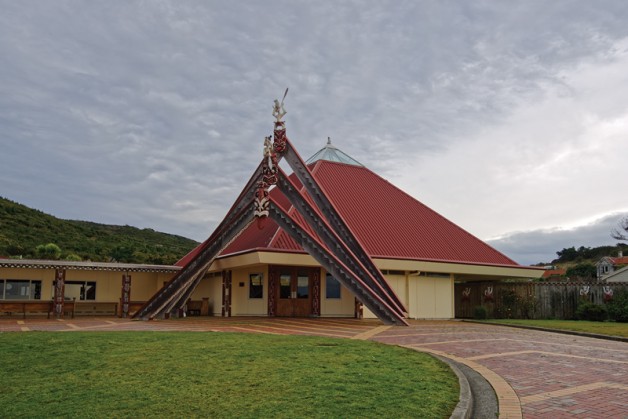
(601, 328)
(179, 374)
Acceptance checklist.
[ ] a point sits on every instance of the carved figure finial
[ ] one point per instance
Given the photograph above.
(278, 109)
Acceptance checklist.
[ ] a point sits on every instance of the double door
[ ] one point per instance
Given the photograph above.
(294, 292)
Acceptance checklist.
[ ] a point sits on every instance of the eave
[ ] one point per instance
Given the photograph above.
(459, 269)
(86, 266)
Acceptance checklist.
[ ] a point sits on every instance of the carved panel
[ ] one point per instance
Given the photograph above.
(125, 297)
(226, 293)
(316, 292)
(59, 291)
(272, 286)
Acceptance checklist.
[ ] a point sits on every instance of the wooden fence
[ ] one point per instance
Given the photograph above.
(530, 300)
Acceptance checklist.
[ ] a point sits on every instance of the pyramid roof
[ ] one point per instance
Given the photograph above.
(388, 222)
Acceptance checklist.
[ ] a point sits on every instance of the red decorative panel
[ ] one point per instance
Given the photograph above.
(279, 137)
(272, 286)
(316, 292)
(125, 298)
(226, 293)
(59, 291)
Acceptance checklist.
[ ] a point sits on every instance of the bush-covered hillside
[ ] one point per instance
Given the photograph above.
(23, 229)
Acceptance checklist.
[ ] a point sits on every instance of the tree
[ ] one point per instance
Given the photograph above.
(582, 271)
(621, 231)
(48, 251)
(567, 254)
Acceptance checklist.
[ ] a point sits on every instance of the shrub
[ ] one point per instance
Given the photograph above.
(618, 307)
(591, 312)
(480, 313)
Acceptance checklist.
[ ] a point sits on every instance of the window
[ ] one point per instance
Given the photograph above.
(332, 287)
(256, 286)
(285, 285)
(80, 290)
(303, 285)
(20, 289)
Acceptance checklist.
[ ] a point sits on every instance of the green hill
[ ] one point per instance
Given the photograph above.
(23, 229)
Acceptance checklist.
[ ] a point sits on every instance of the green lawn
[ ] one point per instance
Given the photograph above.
(178, 374)
(602, 328)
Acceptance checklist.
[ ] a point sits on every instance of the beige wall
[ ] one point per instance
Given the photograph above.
(430, 298)
(424, 297)
(241, 304)
(210, 288)
(334, 307)
(108, 283)
(46, 276)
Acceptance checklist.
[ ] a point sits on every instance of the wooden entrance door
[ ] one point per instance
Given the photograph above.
(294, 292)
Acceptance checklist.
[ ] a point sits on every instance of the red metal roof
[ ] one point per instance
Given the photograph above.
(549, 273)
(620, 261)
(388, 222)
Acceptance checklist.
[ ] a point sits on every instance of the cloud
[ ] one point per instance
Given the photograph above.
(536, 246)
(556, 158)
(502, 117)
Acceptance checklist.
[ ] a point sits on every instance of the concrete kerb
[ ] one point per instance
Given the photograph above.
(509, 405)
(464, 408)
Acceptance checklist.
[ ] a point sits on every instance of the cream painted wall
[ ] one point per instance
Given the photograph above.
(241, 304)
(430, 298)
(46, 276)
(336, 307)
(210, 288)
(108, 283)
(399, 284)
(424, 297)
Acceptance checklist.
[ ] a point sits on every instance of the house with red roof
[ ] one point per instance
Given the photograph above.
(553, 274)
(336, 240)
(608, 265)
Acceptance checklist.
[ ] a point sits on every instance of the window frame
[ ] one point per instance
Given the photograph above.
(84, 288)
(33, 287)
(329, 277)
(259, 289)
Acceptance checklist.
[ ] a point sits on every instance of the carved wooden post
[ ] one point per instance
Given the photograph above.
(316, 293)
(272, 285)
(226, 293)
(125, 298)
(59, 292)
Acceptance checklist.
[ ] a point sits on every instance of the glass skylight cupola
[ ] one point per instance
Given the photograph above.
(331, 153)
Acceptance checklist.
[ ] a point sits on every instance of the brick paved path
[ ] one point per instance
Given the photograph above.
(535, 374)
(541, 374)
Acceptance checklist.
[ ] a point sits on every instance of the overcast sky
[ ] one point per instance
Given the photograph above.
(508, 118)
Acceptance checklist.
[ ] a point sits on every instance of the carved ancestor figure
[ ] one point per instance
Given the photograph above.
(278, 110)
(269, 153)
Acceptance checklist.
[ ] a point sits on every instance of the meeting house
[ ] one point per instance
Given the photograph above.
(330, 239)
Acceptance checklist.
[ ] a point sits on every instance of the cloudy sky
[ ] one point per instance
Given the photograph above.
(508, 118)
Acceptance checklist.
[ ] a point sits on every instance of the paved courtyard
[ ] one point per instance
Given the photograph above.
(535, 374)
